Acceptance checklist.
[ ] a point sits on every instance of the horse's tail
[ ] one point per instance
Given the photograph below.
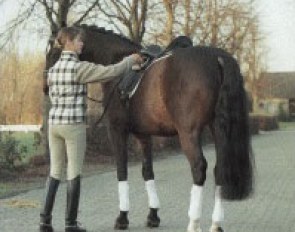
(234, 155)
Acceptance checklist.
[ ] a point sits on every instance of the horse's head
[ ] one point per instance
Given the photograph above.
(101, 46)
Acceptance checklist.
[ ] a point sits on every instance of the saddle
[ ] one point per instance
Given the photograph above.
(129, 83)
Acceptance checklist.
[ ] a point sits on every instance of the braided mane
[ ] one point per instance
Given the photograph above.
(102, 30)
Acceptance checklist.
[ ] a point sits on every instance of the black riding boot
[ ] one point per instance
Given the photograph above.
(73, 196)
(45, 215)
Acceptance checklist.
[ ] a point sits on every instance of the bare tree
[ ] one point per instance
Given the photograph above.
(19, 86)
(229, 24)
(55, 14)
(131, 14)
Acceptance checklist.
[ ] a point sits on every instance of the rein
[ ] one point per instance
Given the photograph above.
(110, 97)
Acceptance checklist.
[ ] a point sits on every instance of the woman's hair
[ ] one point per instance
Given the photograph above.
(67, 33)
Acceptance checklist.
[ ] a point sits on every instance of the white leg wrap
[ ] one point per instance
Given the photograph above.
(123, 195)
(195, 209)
(218, 212)
(152, 194)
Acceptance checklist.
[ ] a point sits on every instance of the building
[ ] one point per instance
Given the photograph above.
(276, 93)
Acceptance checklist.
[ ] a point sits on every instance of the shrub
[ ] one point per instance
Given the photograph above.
(10, 151)
(265, 122)
(283, 116)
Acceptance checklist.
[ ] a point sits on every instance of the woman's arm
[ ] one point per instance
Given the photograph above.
(90, 72)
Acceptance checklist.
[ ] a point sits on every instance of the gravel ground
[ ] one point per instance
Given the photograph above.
(271, 208)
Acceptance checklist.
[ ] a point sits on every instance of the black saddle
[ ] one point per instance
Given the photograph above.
(129, 83)
(151, 51)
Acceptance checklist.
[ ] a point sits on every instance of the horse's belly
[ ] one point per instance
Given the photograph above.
(152, 118)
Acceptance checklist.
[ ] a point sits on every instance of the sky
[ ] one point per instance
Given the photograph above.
(276, 20)
(278, 24)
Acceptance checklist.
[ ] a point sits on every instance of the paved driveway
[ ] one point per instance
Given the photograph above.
(271, 209)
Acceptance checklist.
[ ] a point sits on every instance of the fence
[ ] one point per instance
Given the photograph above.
(24, 128)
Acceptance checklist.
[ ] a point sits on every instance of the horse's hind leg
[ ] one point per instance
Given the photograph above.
(218, 211)
(191, 145)
(148, 175)
(119, 139)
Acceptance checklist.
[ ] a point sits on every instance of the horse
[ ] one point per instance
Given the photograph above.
(179, 94)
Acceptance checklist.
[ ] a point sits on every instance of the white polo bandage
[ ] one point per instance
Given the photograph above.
(152, 194)
(195, 209)
(123, 187)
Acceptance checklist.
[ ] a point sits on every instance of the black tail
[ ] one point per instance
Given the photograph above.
(234, 156)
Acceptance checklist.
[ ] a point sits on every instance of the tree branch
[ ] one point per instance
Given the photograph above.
(6, 35)
(86, 12)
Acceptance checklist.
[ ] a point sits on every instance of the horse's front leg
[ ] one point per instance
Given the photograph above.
(153, 219)
(119, 138)
(191, 146)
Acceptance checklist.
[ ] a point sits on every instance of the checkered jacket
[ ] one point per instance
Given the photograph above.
(67, 81)
(68, 102)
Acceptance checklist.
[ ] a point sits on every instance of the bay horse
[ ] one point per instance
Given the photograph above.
(179, 94)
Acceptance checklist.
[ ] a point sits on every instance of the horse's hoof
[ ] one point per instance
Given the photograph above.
(153, 222)
(122, 222)
(216, 229)
(195, 230)
(153, 219)
(121, 226)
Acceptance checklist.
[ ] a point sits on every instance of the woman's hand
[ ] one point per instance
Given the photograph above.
(137, 58)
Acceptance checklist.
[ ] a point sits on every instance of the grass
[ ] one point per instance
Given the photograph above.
(4, 188)
(287, 125)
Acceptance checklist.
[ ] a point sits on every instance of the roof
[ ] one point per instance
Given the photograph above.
(276, 85)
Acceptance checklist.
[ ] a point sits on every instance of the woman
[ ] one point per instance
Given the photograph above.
(67, 81)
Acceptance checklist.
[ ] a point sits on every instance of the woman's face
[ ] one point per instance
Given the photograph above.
(76, 45)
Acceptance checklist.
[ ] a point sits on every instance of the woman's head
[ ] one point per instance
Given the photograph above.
(70, 39)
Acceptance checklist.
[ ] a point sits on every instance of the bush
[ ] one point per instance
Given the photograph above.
(265, 122)
(253, 125)
(10, 152)
(283, 116)
(38, 160)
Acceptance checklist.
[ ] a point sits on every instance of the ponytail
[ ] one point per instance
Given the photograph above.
(67, 33)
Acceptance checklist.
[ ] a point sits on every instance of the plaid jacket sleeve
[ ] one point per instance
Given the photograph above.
(90, 72)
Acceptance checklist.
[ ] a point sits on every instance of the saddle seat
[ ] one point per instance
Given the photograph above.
(131, 80)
